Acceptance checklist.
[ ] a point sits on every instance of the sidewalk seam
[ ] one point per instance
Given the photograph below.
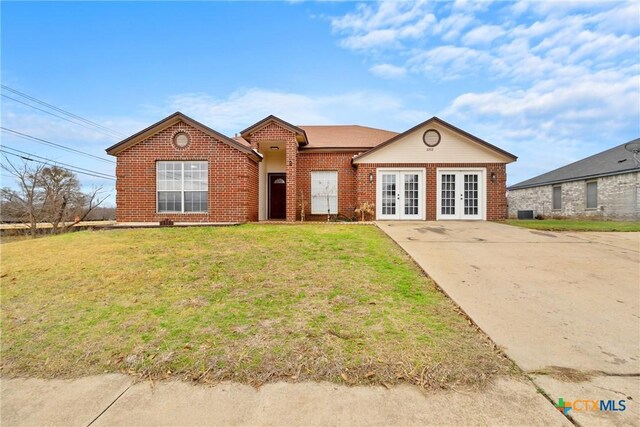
(543, 392)
(109, 406)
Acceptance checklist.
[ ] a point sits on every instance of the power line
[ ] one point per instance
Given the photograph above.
(60, 117)
(60, 110)
(60, 146)
(57, 162)
(72, 169)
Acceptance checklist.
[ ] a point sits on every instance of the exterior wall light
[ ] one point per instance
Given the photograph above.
(370, 177)
(493, 177)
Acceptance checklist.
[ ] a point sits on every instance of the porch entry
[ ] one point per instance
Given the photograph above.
(277, 196)
(461, 194)
(400, 194)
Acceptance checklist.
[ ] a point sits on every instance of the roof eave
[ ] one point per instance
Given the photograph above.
(474, 138)
(115, 149)
(573, 179)
(301, 135)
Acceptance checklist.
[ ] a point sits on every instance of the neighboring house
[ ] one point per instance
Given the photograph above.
(605, 185)
(182, 170)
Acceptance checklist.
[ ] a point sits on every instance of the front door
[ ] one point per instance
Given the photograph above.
(460, 194)
(400, 194)
(277, 196)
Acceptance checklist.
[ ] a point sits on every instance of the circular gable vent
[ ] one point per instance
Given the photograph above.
(431, 138)
(181, 139)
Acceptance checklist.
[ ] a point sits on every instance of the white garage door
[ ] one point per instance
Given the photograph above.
(461, 194)
(400, 194)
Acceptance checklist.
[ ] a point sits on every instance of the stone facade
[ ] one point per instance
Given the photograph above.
(618, 199)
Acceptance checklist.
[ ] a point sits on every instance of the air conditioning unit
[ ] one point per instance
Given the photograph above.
(527, 214)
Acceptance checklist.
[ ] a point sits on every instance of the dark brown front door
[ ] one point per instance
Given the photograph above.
(277, 196)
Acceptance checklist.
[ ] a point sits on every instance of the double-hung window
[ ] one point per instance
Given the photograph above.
(182, 186)
(324, 192)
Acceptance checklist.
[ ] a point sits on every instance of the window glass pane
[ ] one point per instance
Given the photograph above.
(448, 197)
(169, 176)
(195, 176)
(557, 197)
(324, 192)
(169, 201)
(174, 178)
(195, 201)
(592, 195)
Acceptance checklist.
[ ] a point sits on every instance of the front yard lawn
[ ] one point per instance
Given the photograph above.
(251, 303)
(575, 225)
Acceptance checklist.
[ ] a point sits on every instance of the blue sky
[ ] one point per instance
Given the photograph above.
(550, 82)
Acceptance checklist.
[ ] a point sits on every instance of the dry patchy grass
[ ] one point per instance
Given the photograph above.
(253, 303)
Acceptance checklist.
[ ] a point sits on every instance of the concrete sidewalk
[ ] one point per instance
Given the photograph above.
(110, 400)
(568, 300)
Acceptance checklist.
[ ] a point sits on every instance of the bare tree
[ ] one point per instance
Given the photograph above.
(26, 203)
(88, 202)
(47, 194)
(63, 194)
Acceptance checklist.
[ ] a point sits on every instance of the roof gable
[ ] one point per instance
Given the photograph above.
(456, 146)
(174, 118)
(614, 161)
(301, 136)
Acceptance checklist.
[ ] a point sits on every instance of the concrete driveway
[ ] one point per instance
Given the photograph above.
(551, 300)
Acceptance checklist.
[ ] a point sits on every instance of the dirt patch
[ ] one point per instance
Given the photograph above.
(565, 374)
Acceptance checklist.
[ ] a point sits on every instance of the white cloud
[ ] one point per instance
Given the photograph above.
(385, 27)
(590, 97)
(474, 5)
(388, 71)
(447, 62)
(451, 27)
(484, 34)
(563, 77)
(244, 107)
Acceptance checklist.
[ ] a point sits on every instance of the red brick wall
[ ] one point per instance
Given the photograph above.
(252, 193)
(275, 132)
(496, 191)
(341, 162)
(233, 178)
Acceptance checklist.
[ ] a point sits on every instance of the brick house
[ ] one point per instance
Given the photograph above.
(182, 170)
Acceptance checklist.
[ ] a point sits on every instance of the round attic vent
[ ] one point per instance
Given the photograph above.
(431, 138)
(181, 139)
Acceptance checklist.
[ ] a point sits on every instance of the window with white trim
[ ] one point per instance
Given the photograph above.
(324, 192)
(182, 186)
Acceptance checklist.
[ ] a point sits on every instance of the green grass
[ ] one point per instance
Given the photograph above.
(576, 225)
(253, 303)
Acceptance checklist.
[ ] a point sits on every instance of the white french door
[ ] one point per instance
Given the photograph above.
(461, 194)
(400, 194)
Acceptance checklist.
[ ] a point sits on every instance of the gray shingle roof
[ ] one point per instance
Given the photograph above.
(613, 161)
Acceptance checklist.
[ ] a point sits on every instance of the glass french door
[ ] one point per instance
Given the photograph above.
(400, 195)
(460, 194)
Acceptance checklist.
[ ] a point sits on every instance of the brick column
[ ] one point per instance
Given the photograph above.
(292, 187)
